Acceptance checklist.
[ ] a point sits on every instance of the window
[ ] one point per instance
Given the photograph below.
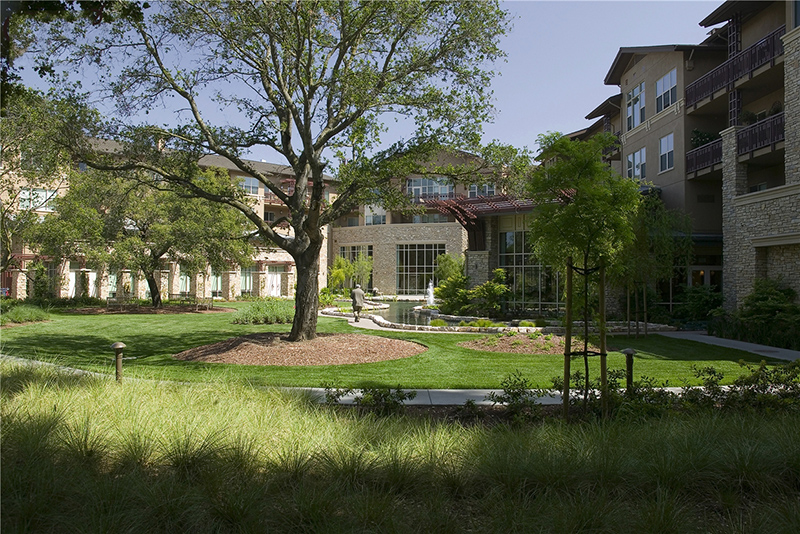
(269, 216)
(666, 151)
(37, 199)
(483, 191)
(430, 218)
(249, 185)
(758, 187)
(374, 215)
(636, 164)
(667, 90)
(534, 287)
(216, 284)
(429, 188)
(415, 266)
(351, 252)
(247, 280)
(635, 106)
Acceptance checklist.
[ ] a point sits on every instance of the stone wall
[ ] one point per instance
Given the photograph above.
(384, 239)
(791, 74)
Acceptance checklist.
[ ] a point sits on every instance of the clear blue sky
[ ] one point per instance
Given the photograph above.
(558, 55)
(560, 51)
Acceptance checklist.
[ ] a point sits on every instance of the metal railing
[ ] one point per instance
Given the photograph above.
(762, 134)
(704, 156)
(742, 64)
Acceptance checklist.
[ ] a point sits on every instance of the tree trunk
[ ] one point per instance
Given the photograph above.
(628, 311)
(155, 293)
(567, 341)
(586, 331)
(603, 356)
(636, 311)
(644, 305)
(306, 301)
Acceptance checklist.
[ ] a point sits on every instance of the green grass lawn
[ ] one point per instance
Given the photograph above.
(86, 455)
(83, 341)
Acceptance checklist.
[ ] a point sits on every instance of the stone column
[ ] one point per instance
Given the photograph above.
(288, 283)
(141, 286)
(62, 280)
(231, 284)
(102, 283)
(124, 283)
(162, 277)
(19, 284)
(791, 76)
(260, 281)
(477, 266)
(174, 279)
(738, 257)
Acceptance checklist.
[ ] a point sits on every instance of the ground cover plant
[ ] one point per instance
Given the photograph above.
(17, 312)
(83, 341)
(85, 454)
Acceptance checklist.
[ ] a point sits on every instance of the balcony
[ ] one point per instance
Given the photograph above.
(742, 64)
(703, 157)
(420, 199)
(765, 133)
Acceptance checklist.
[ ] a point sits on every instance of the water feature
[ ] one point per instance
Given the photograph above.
(430, 292)
(403, 312)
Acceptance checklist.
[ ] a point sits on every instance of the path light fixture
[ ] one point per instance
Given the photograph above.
(118, 346)
(628, 369)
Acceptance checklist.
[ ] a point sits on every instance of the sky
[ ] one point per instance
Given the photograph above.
(559, 53)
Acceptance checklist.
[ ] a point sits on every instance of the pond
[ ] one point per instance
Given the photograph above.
(403, 312)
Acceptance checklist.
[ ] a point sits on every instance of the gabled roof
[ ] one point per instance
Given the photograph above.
(727, 10)
(626, 54)
(610, 107)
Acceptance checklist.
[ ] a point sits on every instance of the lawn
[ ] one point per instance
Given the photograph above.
(83, 341)
(87, 455)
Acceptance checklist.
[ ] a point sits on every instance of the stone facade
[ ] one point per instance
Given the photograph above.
(791, 76)
(384, 239)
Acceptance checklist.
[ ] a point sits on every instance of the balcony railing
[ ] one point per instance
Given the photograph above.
(420, 199)
(740, 65)
(762, 134)
(704, 156)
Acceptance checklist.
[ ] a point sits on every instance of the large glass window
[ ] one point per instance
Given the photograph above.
(635, 106)
(637, 164)
(430, 218)
(351, 252)
(374, 215)
(249, 185)
(484, 190)
(415, 266)
(667, 90)
(37, 199)
(247, 280)
(534, 287)
(429, 188)
(666, 150)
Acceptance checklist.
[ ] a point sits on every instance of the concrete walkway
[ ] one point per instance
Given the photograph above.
(761, 350)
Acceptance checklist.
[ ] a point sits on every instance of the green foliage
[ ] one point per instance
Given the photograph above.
(768, 316)
(326, 297)
(449, 266)
(438, 322)
(23, 313)
(481, 323)
(700, 138)
(384, 401)
(453, 295)
(270, 310)
(362, 269)
(697, 303)
(585, 208)
(487, 298)
(518, 397)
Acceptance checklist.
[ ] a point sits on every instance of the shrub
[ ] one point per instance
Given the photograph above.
(518, 398)
(24, 313)
(326, 297)
(697, 302)
(453, 295)
(438, 322)
(487, 298)
(270, 310)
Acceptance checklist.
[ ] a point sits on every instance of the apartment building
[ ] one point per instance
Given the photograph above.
(718, 122)
(272, 274)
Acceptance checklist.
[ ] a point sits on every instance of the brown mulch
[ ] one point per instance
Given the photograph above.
(326, 349)
(520, 343)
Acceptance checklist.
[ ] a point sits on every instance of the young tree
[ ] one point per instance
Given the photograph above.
(309, 80)
(362, 269)
(662, 241)
(584, 212)
(120, 223)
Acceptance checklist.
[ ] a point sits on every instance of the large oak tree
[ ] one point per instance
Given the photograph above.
(314, 81)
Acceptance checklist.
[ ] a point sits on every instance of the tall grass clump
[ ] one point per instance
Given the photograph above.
(270, 310)
(23, 313)
(87, 454)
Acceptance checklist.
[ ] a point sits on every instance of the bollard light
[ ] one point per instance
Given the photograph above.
(628, 369)
(118, 346)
